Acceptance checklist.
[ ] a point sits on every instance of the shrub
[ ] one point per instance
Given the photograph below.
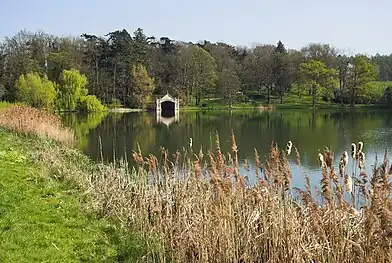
(36, 91)
(115, 103)
(388, 95)
(90, 103)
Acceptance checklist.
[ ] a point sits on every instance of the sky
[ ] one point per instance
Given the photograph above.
(361, 26)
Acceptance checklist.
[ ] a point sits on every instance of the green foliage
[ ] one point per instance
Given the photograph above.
(388, 96)
(229, 83)
(2, 91)
(318, 77)
(360, 74)
(198, 73)
(57, 62)
(115, 103)
(188, 71)
(90, 103)
(142, 86)
(4, 104)
(73, 86)
(36, 91)
(363, 71)
(368, 93)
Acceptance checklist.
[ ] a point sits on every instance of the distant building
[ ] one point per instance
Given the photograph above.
(167, 103)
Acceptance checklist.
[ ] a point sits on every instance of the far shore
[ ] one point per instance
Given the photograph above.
(258, 107)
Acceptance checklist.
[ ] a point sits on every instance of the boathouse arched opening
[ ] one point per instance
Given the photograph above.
(167, 106)
(168, 109)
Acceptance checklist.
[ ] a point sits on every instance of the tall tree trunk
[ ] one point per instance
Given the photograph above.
(314, 95)
(353, 96)
(341, 88)
(114, 81)
(97, 73)
(268, 95)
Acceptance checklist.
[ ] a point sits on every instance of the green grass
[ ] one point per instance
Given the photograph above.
(4, 104)
(374, 90)
(46, 220)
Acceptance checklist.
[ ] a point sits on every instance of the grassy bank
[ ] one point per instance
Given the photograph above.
(290, 101)
(198, 207)
(45, 215)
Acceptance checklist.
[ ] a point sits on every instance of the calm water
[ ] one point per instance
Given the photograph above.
(308, 130)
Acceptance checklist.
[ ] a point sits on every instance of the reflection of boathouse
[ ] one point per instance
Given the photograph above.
(168, 121)
(167, 109)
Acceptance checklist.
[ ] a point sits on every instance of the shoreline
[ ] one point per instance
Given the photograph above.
(260, 107)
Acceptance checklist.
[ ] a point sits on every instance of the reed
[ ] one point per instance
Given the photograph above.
(28, 120)
(200, 208)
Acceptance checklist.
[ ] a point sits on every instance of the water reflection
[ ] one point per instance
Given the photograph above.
(310, 131)
(168, 117)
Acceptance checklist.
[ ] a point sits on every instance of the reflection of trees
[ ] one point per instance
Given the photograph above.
(82, 124)
(120, 134)
(309, 130)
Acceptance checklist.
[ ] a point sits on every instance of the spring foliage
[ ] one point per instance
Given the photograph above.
(143, 86)
(73, 86)
(90, 103)
(36, 91)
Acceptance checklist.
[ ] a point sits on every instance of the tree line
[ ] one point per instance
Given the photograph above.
(128, 68)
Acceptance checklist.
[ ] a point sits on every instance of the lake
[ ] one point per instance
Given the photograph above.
(309, 130)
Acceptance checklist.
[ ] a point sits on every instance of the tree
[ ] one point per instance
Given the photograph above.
(343, 69)
(197, 73)
(228, 82)
(361, 73)
(260, 69)
(294, 59)
(384, 64)
(73, 86)
(142, 86)
(281, 71)
(388, 96)
(317, 76)
(322, 52)
(36, 91)
(95, 54)
(119, 61)
(90, 103)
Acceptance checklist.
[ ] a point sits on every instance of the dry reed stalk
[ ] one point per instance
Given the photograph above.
(201, 217)
(28, 120)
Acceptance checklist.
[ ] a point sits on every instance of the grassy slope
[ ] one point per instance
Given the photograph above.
(291, 100)
(44, 220)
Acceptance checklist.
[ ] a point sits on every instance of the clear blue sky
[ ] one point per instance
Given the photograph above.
(356, 26)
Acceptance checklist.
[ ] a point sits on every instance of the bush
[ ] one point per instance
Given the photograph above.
(370, 93)
(387, 98)
(36, 91)
(115, 103)
(90, 103)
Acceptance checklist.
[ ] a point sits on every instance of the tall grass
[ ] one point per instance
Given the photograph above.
(200, 208)
(25, 119)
